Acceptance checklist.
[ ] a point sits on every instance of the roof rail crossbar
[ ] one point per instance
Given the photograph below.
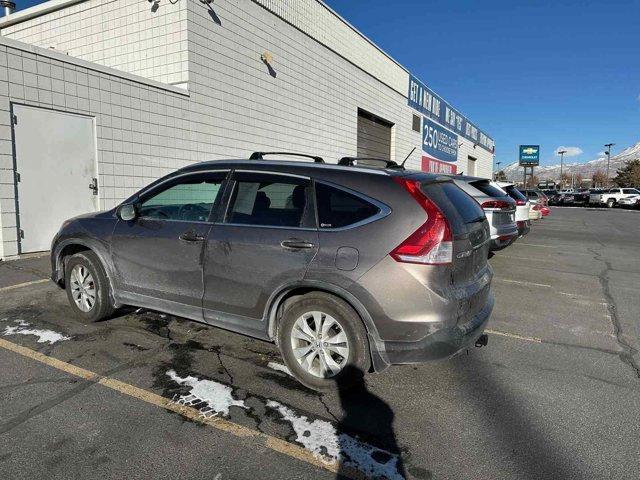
(260, 156)
(353, 161)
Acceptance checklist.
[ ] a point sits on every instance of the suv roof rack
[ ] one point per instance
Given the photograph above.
(260, 156)
(353, 161)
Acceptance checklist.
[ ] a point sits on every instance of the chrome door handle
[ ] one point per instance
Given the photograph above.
(191, 236)
(295, 244)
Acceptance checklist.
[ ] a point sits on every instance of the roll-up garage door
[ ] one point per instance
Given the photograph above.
(374, 136)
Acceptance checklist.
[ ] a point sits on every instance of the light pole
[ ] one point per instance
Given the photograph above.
(497, 169)
(608, 152)
(561, 153)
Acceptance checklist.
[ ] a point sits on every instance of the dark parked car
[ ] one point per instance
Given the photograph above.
(581, 197)
(339, 265)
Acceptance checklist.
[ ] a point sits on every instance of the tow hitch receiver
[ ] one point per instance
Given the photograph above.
(482, 340)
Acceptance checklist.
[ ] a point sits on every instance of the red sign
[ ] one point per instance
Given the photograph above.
(432, 165)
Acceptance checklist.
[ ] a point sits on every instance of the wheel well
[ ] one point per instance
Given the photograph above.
(68, 251)
(280, 304)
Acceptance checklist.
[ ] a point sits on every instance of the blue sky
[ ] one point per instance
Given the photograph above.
(561, 73)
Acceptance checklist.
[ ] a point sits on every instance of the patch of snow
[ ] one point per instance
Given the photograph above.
(217, 396)
(322, 439)
(278, 367)
(44, 336)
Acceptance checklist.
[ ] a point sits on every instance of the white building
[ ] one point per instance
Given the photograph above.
(125, 91)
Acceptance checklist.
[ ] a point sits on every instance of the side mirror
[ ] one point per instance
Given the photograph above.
(127, 212)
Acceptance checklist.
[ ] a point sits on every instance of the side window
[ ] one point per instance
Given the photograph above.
(189, 199)
(270, 200)
(630, 191)
(338, 208)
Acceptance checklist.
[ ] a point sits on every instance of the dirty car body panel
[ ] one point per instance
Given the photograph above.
(212, 261)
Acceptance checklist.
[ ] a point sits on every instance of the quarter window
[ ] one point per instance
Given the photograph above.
(188, 199)
(269, 200)
(338, 208)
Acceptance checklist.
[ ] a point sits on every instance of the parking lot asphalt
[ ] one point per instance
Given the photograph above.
(555, 394)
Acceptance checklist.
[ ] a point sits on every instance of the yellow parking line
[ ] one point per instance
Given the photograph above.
(25, 284)
(514, 335)
(267, 441)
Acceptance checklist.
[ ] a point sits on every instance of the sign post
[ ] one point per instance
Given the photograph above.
(529, 157)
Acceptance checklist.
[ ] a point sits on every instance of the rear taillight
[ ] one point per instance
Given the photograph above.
(536, 207)
(494, 205)
(521, 202)
(432, 242)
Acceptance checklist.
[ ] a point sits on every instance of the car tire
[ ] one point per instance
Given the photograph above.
(87, 287)
(352, 366)
(611, 203)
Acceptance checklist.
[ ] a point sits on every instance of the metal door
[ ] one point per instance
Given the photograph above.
(55, 160)
(374, 136)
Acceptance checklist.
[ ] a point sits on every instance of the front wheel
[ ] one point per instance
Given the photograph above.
(87, 287)
(611, 203)
(323, 342)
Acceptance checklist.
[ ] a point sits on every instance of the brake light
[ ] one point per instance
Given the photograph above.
(496, 205)
(521, 202)
(432, 242)
(537, 207)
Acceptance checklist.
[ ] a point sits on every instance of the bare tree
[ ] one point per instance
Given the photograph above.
(599, 178)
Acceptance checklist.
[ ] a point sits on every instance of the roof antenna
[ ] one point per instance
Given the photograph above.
(407, 158)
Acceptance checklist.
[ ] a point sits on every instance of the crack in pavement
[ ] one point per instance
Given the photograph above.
(42, 407)
(626, 356)
(326, 407)
(224, 367)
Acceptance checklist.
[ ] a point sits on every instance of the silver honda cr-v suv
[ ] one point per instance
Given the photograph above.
(338, 264)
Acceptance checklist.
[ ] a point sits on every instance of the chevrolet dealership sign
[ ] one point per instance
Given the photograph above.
(529, 155)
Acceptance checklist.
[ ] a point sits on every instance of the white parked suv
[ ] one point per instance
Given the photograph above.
(611, 197)
(523, 206)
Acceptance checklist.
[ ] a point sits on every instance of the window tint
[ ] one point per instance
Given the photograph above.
(631, 191)
(272, 200)
(488, 189)
(188, 200)
(451, 199)
(514, 193)
(338, 208)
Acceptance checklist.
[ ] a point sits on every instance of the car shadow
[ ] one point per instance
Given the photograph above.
(523, 441)
(362, 409)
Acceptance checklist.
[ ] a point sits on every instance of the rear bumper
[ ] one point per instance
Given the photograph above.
(439, 345)
(524, 227)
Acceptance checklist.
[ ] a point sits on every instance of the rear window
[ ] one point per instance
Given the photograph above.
(454, 202)
(514, 193)
(338, 208)
(486, 188)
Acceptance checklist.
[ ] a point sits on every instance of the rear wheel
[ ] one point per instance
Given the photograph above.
(87, 287)
(323, 342)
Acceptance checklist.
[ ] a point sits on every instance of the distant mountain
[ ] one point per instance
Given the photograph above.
(552, 172)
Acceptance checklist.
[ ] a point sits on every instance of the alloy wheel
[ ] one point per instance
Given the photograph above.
(83, 288)
(319, 344)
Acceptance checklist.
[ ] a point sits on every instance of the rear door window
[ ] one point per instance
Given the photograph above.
(268, 200)
(338, 208)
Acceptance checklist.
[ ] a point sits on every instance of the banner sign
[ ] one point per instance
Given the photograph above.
(433, 106)
(529, 155)
(432, 165)
(438, 142)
